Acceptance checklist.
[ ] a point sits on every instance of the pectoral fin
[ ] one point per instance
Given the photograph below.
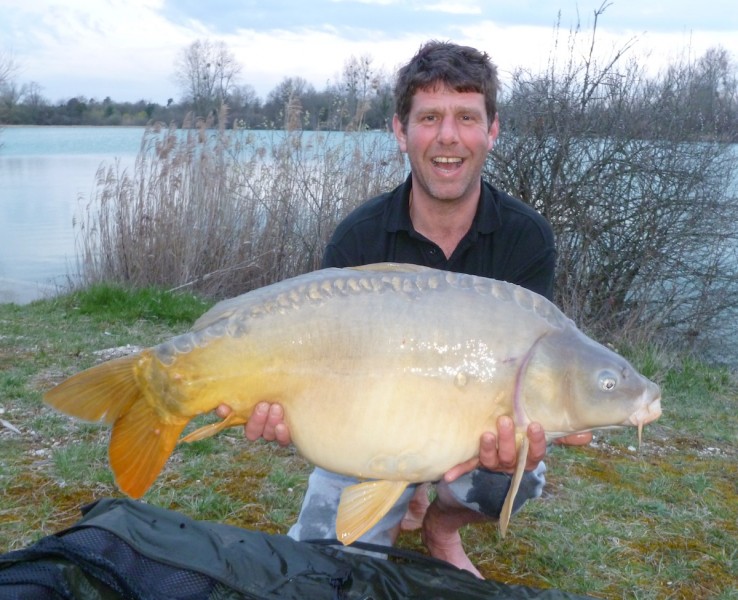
(232, 420)
(363, 505)
(507, 507)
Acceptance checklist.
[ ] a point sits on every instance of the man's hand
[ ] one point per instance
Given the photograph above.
(266, 421)
(499, 452)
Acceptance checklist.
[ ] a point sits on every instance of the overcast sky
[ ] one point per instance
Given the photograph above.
(126, 49)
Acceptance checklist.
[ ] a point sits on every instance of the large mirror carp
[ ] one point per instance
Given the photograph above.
(389, 373)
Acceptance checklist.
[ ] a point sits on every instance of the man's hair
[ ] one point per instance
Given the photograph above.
(444, 64)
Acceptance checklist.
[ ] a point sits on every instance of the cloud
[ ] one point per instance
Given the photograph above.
(127, 48)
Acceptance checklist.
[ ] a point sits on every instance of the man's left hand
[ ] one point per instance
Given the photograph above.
(498, 452)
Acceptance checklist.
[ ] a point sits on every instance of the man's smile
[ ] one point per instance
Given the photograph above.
(447, 162)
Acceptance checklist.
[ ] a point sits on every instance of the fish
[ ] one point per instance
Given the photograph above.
(389, 373)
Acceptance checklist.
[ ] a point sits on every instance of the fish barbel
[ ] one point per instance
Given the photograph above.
(388, 373)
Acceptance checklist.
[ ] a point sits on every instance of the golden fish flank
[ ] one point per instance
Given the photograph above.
(362, 353)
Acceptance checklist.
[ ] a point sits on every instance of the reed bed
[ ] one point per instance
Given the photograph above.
(221, 212)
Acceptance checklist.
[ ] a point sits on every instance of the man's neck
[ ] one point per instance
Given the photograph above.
(443, 222)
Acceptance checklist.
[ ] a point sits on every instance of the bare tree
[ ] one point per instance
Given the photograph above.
(283, 107)
(643, 215)
(245, 107)
(703, 93)
(8, 66)
(358, 76)
(9, 93)
(207, 73)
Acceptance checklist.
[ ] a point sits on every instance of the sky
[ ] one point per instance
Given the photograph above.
(127, 49)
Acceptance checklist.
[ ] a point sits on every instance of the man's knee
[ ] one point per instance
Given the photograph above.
(485, 491)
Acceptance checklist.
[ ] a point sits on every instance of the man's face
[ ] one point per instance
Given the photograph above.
(447, 140)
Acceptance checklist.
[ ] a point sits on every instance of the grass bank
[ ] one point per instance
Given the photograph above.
(615, 522)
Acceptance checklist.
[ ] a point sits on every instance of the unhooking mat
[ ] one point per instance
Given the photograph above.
(123, 549)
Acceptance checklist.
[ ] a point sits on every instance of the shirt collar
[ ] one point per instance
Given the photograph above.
(398, 213)
(486, 220)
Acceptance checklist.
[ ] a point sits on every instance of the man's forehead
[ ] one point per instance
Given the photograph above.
(443, 95)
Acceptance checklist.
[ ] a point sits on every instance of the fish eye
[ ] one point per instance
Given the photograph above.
(608, 381)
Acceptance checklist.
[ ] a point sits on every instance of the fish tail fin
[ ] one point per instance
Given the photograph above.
(140, 444)
(141, 440)
(100, 393)
(507, 507)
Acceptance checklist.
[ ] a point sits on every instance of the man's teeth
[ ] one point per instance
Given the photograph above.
(446, 159)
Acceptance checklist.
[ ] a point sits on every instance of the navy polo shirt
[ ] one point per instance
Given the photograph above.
(508, 240)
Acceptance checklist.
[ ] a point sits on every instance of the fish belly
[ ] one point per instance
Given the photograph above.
(383, 384)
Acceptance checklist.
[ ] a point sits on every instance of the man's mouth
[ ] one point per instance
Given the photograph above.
(447, 162)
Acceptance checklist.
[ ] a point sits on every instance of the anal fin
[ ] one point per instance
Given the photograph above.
(232, 420)
(507, 507)
(363, 505)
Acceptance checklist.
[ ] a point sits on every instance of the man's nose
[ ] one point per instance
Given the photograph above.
(448, 131)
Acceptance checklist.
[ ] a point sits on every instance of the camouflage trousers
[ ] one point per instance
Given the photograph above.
(480, 490)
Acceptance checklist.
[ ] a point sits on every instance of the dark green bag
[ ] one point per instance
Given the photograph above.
(122, 549)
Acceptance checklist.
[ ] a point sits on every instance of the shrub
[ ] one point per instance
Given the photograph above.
(224, 211)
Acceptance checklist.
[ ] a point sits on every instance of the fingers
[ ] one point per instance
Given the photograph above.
(223, 411)
(267, 421)
(459, 470)
(507, 452)
(254, 429)
(282, 434)
(536, 446)
(576, 439)
(499, 452)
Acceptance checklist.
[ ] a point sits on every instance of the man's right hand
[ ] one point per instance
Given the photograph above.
(266, 421)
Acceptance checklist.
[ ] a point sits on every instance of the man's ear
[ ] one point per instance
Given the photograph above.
(400, 133)
(494, 131)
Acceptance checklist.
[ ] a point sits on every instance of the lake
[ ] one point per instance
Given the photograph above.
(47, 177)
(47, 174)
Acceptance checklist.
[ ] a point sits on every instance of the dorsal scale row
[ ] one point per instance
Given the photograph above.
(232, 317)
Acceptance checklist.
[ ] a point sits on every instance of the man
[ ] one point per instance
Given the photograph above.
(443, 216)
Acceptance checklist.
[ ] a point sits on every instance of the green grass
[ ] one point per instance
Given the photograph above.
(615, 521)
(107, 302)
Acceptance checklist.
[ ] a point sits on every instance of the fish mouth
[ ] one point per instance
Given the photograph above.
(645, 414)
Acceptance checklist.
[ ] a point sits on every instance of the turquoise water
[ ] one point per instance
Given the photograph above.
(47, 179)
(69, 141)
(47, 175)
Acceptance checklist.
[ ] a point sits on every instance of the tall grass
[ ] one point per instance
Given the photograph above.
(224, 211)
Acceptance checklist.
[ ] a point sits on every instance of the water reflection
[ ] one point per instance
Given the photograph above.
(47, 175)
